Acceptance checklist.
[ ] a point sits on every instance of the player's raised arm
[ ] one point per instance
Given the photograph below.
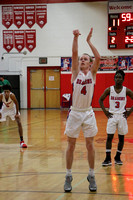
(96, 63)
(75, 64)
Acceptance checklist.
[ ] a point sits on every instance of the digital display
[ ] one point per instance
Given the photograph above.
(120, 31)
(120, 25)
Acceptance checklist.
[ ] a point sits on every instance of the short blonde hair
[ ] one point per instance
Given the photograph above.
(89, 56)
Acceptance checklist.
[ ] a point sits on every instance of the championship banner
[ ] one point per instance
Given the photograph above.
(41, 15)
(122, 62)
(130, 65)
(19, 42)
(30, 38)
(7, 16)
(108, 63)
(30, 15)
(18, 15)
(8, 40)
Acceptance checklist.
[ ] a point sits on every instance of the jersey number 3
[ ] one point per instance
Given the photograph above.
(83, 91)
(117, 104)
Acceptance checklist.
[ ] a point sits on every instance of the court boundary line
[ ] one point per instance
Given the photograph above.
(56, 192)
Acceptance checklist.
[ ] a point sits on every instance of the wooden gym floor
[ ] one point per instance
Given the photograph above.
(38, 172)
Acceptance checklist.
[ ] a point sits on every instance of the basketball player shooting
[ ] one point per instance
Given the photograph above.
(81, 114)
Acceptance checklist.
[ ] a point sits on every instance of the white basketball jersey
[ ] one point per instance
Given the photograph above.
(9, 103)
(117, 101)
(83, 90)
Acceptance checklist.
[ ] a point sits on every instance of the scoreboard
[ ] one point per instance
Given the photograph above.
(120, 25)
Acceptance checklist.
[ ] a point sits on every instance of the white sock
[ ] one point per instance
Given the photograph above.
(91, 172)
(68, 172)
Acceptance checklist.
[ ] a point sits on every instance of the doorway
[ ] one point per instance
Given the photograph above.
(43, 87)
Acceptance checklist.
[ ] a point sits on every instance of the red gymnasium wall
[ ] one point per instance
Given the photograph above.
(103, 80)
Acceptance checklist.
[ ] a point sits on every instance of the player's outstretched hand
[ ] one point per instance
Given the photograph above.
(89, 35)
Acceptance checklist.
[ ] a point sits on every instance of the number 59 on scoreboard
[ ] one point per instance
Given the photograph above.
(120, 25)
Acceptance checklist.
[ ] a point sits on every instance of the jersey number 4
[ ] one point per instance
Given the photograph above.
(83, 91)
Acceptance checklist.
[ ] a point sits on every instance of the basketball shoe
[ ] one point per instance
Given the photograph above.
(67, 185)
(118, 162)
(23, 145)
(107, 162)
(92, 186)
